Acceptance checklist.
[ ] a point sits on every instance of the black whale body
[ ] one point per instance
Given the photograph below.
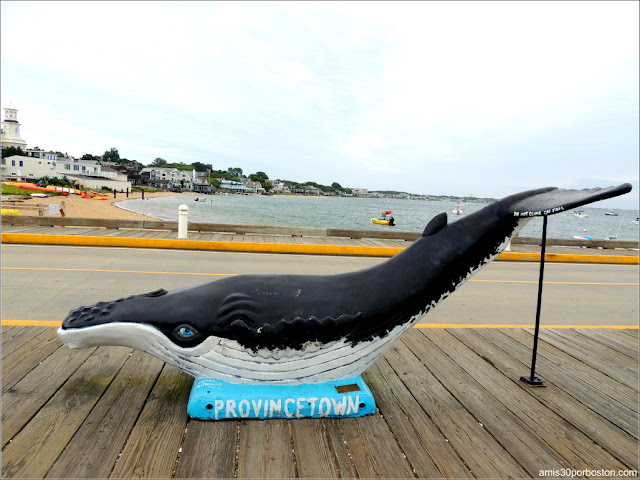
(286, 311)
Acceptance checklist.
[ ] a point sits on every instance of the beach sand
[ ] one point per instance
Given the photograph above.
(78, 207)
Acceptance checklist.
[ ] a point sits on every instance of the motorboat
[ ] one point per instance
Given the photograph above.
(612, 213)
(580, 214)
(457, 209)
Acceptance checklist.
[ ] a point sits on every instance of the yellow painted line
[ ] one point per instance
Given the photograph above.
(57, 323)
(471, 325)
(569, 258)
(50, 269)
(86, 240)
(117, 271)
(32, 323)
(556, 283)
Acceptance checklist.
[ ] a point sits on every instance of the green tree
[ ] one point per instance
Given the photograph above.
(235, 171)
(111, 155)
(159, 162)
(11, 151)
(88, 156)
(202, 167)
(259, 177)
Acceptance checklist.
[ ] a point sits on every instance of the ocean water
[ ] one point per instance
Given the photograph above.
(356, 214)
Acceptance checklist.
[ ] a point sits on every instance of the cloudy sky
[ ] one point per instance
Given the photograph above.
(434, 98)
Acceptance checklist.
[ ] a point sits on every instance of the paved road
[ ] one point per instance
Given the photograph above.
(45, 282)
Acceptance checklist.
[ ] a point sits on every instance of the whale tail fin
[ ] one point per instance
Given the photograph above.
(547, 201)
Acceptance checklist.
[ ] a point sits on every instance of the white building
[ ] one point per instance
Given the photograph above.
(236, 187)
(27, 168)
(88, 173)
(11, 130)
(91, 175)
(280, 187)
(176, 178)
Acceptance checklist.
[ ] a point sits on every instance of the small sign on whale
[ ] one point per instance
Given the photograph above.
(216, 400)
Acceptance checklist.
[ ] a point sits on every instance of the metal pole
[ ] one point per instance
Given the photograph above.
(532, 379)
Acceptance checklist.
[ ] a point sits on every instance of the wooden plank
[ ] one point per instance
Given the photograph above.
(23, 400)
(108, 425)
(483, 455)
(265, 450)
(624, 339)
(126, 233)
(13, 337)
(152, 448)
(514, 433)
(16, 228)
(208, 450)
(32, 452)
(366, 435)
(586, 354)
(499, 354)
(632, 332)
(605, 337)
(573, 242)
(80, 231)
(599, 382)
(576, 448)
(426, 448)
(588, 343)
(565, 376)
(19, 363)
(319, 454)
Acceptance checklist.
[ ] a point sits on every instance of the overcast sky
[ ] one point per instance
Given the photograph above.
(449, 98)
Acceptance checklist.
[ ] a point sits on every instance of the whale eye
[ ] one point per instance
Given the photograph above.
(186, 331)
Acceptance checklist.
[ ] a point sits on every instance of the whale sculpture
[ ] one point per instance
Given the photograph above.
(306, 329)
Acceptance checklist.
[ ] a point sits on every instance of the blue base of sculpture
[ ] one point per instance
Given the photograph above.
(216, 400)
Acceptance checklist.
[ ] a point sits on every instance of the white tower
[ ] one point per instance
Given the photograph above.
(11, 130)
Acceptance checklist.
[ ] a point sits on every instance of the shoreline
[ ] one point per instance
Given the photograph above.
(78, 207)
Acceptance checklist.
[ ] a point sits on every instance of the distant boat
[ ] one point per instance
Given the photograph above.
(612, 213)
(636, 221)
(389, 221)
(457, 209)
(580, 214)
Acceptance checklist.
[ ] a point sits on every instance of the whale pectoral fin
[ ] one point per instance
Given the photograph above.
(436, 224)
(553, 200)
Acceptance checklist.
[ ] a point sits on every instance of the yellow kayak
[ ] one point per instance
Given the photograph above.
(381, 222)
(10, 211)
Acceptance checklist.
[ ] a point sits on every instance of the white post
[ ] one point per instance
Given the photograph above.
(183, 215)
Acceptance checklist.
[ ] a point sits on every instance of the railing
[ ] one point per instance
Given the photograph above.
(41, 208)
(25, 220)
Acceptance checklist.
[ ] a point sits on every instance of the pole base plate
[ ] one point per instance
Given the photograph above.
(532, 381)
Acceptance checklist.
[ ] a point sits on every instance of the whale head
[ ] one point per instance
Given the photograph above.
(125, 321)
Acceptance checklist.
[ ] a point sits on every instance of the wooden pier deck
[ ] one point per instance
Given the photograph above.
(450, 405)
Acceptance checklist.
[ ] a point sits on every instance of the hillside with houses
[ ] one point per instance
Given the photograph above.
(110, 172)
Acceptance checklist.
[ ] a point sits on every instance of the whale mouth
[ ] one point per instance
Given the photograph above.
(109, 334)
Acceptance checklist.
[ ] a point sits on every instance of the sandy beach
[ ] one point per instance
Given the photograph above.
(78, 207)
